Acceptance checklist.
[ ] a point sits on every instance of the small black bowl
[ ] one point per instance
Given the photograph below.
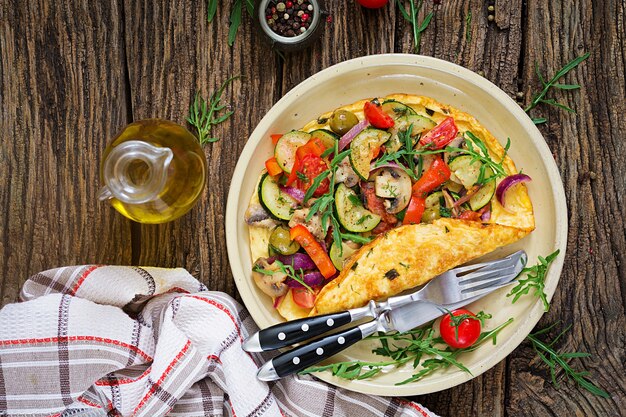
(293, 43)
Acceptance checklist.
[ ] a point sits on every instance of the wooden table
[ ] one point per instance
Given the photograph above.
(73, 73)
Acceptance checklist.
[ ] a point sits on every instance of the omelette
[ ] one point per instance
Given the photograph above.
(379, 197)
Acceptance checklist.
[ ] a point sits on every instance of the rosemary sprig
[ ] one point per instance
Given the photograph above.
(203, 114)
(285, 269)
(535, 279)
(554, 359)
(552, 83)
(411, 17)
(407, 347)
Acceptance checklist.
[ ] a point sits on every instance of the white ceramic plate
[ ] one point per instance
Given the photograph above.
(380, 75)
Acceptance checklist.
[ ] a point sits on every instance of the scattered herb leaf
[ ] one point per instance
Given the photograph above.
(203, 114)
(411, 17)
(535, 279)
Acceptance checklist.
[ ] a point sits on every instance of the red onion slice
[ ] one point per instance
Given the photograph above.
(293, 192)
(507, 183)
(350, 134)
(486, 216)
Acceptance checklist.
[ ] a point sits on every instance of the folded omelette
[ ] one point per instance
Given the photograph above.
(383, 254)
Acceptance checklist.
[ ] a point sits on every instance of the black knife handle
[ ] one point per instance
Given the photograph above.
(288, 333)
(307, 355)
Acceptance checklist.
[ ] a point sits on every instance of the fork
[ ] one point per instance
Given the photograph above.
(450, 287)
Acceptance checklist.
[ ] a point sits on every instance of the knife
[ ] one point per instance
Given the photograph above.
(402, 319)
(295, 331)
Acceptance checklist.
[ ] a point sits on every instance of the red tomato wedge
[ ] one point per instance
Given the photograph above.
(376, 116)
(310, 167)
(461, 336)
(312, 147)
(441, 135)
(275, 138)
(303, 297)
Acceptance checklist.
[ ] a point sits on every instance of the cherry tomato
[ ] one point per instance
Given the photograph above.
(440, 135)
(372, 4)
(310, 167)
(303, 297)
(463, 335)
(376, 116)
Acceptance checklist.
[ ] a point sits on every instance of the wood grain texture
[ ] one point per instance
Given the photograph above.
(590, 152)
(60, 104)
(73, 74)
(172, 53)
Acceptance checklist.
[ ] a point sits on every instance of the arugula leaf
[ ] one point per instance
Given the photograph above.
(235, 22)
(535, 277)
(412, 17)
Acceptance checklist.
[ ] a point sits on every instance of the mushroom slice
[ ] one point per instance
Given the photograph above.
(269, 278)
(394, 185)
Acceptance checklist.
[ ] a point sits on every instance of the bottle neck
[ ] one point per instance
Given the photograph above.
(135, 172)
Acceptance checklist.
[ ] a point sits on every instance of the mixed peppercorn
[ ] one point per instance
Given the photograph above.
(289, 18)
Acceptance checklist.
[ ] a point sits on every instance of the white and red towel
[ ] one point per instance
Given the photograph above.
(127, 341)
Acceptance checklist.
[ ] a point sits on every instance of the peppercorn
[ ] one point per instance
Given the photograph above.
(289, 18)
(491, 8)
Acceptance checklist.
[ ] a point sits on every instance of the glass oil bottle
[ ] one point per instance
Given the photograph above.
(154, 171)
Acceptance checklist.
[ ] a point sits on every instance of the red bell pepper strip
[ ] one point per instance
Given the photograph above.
(470, 215)
(441, 135)
(301, 234)
(272, 167)
(315, 147)
(376, 116)
(437, 174)
(275, 138)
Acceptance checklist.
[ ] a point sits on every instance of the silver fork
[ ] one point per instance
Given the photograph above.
(451, 287)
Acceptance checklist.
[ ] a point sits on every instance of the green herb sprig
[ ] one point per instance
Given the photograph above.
(535, 279)
(540, 97)
(411, 17)
(203, 114)
(407, 347)
(555, 359)
(285, 269)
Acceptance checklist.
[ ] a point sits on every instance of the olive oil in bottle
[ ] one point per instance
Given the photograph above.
(153, 171)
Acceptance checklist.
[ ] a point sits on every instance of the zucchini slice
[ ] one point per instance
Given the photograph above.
(338, 257)
(420, 124)
(351, 213)
(285, 151)
(327, 137)
(396, 109)
(483, 196)
(363, 147)
(465, 170)
(278, 204)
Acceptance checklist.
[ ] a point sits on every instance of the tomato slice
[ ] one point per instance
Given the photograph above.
(310, 167)
(470, 215)
(441, 135)
(303, 297)
(461, 336)
(376, 116)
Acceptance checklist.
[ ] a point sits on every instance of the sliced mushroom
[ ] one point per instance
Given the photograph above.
(269, 278)
(346, 174)
(257, 216)
(395, 186)
(314, 225)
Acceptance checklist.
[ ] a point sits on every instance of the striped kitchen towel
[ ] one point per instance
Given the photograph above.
(128, 341)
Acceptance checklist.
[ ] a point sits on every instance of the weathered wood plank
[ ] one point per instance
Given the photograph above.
(62, 95)
(589, 150)
(172, 52)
